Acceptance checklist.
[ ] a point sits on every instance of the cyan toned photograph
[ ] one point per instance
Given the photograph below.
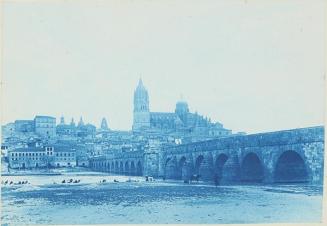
(162, 112)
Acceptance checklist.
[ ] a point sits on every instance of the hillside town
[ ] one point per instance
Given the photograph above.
(43, 143)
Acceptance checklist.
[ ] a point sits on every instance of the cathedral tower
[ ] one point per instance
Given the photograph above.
(141, 115)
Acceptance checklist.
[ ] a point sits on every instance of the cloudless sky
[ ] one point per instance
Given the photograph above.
(252, 65)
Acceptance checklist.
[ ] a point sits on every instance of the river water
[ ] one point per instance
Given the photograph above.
(45, 200)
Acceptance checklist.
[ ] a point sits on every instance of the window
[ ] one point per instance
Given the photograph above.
(68, 154)
(15, 154)
(37, 154)
(23, 154)
(13, 159)
(20, 154)
(12, 154)
(32, 154)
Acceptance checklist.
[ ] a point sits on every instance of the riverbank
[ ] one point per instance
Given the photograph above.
(46, 201)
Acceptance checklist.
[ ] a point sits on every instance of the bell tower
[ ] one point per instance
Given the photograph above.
(141, 113)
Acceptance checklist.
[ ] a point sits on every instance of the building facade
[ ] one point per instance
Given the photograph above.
(30, 157)
(45, 126)
(40, 157)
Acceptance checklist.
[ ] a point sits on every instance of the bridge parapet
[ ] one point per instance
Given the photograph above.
(284, 137)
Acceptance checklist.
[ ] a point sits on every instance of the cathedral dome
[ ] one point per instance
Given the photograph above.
(181, 107)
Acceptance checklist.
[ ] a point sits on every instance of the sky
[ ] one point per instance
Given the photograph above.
(252, 65)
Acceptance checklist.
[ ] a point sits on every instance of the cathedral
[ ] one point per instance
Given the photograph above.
(181, 121)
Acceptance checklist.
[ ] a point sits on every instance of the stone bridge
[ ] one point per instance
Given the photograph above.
(125, 163)
(283, 156)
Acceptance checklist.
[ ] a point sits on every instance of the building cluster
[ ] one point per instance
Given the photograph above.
(42, 142)
(183, 125)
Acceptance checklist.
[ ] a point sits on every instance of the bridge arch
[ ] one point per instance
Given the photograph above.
(290, 167)
(116, 167)
(133, 169)
(220, 162)
(127, 170)
(198, 161)
(139, 169)
(105, 167)
(181, 168)
(251, 168)
(112, 169)
(121, 167)
(171, 168)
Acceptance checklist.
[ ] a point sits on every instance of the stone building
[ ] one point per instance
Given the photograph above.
(73, 132)
(45, 126)
(30, 157)
(181, 121)
(66, 131)
(24, 126)
(42, 156)
(64, 156)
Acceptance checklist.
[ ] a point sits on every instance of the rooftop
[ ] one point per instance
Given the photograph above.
(29, 149)
(43, 116)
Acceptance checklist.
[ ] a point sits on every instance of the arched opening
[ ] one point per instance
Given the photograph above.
(121, 168)
(171, 168)
(290, 168)
(116, 167)
(219, 167)
(251, 169)
(166, 168)
(181, 169)
(139, 170)
(133, 170)
(127, 168)
(112, 169)
(197, 165)
(108, 166)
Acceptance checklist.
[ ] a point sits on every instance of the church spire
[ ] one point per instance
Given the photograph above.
(62, 120)
(81, 123)
(72, 123)
(104, 124)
